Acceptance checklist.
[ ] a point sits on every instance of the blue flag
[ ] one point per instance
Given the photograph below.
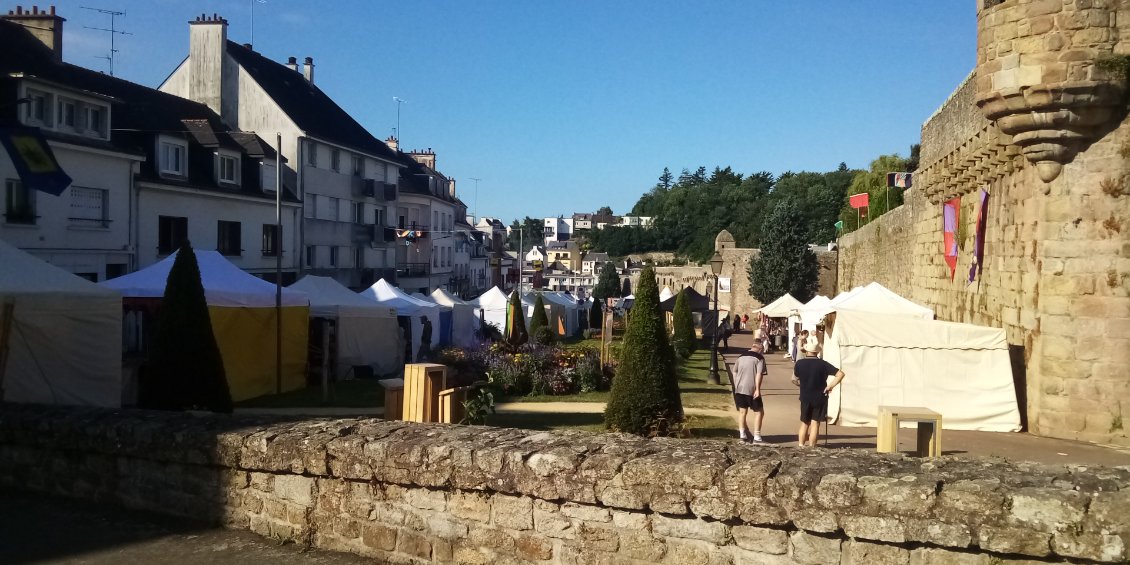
(34, 161)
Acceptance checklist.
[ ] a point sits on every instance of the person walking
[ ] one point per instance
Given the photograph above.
(811, 375)
(749, 372)
(725, 332)
(425, 353)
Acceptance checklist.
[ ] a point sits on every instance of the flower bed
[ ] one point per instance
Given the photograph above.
(529, 369)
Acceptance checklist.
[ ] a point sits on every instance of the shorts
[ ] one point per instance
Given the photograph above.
(814, 411)
(748, 401)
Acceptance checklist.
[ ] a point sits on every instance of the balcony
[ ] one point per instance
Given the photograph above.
(412, 269)
(363, 233)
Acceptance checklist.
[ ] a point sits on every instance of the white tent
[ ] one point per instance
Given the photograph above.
(242, 310)
(959, 370)
(879, 299)
(65, 345)
(407, 306)
(491, 307)
(367, 332)
(563, 313)
(665, 293)
(781, 307)
(463, 319)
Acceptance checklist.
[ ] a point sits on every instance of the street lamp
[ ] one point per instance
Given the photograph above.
(716, 268)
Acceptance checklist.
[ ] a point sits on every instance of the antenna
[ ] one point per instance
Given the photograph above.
(253, 2)
(113, 32)
(475, 210)
(399, 101)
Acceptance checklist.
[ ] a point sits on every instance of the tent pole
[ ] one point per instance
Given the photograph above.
(6, 314)
(278, 263)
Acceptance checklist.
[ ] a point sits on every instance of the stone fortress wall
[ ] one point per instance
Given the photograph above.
(1041, 125)
(430, 493)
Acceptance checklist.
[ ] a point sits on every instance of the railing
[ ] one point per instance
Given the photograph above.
(20, 218)
(411, 269)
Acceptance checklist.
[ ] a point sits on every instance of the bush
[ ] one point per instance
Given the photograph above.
(543, 336)
(683, 339)
(516, 320)
(596, 316)
(645, 393)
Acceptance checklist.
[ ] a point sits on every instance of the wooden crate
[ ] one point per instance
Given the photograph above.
(394, 398)
(451, 410)
(929, 435)
(422, 384)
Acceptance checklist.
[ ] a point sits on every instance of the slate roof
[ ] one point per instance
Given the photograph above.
(311, 109)
(138, 113)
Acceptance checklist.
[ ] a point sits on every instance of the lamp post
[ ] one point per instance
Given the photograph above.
(716, 268)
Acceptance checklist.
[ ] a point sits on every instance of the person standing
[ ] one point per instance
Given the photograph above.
(425, 353)
(811, 375)
(749, 372)
(725, 331)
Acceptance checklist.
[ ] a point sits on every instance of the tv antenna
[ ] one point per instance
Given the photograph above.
(113, 31)
(253, 2)
(475, 210)
(399, 101)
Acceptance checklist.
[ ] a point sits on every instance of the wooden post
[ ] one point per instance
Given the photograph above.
(6, 315)
(325, 360)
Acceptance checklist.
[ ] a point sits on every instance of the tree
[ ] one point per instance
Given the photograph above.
(785, 264)
(608, 284)
(526, 233)
(666, 179)
(604, 211)
(185, 369)
(596, 316)
(684, 338)
(539, 324)
(626, 287)
(645, 392)
(516, 321)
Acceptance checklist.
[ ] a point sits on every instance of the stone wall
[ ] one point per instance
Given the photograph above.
(420, 493)
(1034, 127)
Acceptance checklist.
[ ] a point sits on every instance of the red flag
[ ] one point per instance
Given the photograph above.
(859, 200)
(951, 211)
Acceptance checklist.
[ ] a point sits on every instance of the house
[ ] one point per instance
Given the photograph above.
(428, 207)
(558, 229)
(593, 262)
(636, 221)
(582, 221)
(346, 178)
(494, 234)
(566, 253)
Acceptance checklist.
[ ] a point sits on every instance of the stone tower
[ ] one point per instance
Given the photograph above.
(724, 241)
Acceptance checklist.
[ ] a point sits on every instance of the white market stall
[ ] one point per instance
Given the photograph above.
(65, 340)
(666, 293)
(242, 309)
(490, 307)
(408, 308)
(879, 299)
(367, 332)
(463, 322)
(959, 370)
(563, 313)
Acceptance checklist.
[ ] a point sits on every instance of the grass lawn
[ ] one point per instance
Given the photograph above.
(697, 426)
(356, 393)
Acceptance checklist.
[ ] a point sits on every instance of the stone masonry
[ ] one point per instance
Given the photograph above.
(431, 493)
(1041, 126)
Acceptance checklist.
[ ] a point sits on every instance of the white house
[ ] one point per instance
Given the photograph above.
(347, 179)
(558, 229)
(428, 207)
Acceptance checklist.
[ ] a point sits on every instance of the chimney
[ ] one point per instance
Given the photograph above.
(451, 188)
(425, 158)
(45, 26)
(308, 70)
(209, 79)
(292, 64)
(392, 142)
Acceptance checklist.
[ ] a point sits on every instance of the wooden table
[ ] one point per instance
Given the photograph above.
(929, 429)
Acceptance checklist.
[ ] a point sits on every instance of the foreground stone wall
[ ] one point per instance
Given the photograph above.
(419, 493)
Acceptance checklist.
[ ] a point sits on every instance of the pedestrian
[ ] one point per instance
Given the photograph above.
(811, 375)
(749, 372)
(737, 323)
(798, 342)
(425, 353)
(745, 320)
(725, 330)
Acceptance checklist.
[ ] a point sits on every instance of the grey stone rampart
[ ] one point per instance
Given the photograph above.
(430, 493)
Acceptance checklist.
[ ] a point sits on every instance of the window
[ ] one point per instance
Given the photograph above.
(311, 206)
(66, 113)
(333, 256)
(311, 153)
(270, 240)
(335, 160)
(400, 221)
(172, 157)
(379, 217)
(270, 179)
(311, 256)
(227, 168)
(358, 166)
(435, 220)
(89, 206)
(359, 257)
(95, 118)
(358, 212)
(333, 209)
(171, 232)
(435, 257)
(39, 109)
(19, 203)
(228, 240)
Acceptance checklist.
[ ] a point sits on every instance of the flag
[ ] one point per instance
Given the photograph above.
(951, 211)
(899, 180)
(840, 225)
(859, 200)
(34, 161)
(979, 237)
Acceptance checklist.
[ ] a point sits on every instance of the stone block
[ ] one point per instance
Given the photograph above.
(943, 556)
(413, 544)
(642, 546)
(685, 552)
(875, 528)
(1024, 541)
(865, 553)
(469, 505)
(426, 499)
(533, 548)
(586, 512)
(598, 538)
(444, 527)
(938, 533)
(1047, 509)
(549, 521)
(1098, 547)
(379, 536)
(635, 521)
(442, 551)
(761, 540)
(690, 528)
(513, 512)
(838, 491)
(295, 488)
(808, 549)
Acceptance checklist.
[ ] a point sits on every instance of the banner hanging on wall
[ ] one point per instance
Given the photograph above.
(951, 210)
(979, 237)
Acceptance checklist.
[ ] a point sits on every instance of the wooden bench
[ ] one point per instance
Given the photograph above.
(929, 429)
(451, 409)
(394, 398)
(422, 384)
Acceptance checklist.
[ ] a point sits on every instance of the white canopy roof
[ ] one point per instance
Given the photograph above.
(392, 297)
(781, 307)
(491, 299)
(329, 298)
(879, 299)
(665, 293)
(442, 297)
(224, 283)
(814, 310)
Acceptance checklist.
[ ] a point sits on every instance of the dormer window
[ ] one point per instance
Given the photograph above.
(227, 167)
(39, 108)
(66, 113)
(172, 156)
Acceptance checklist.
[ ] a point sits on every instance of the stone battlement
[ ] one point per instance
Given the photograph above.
(420, 493)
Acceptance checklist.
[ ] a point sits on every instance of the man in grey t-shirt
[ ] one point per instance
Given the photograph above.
(749, 371)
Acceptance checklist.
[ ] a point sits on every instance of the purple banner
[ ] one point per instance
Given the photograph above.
(979, 239)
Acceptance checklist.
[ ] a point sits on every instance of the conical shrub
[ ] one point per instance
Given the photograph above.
(596, 316)
(186, 370)
(516, 322)
(645, 391)
(540, 331)
(683, 338)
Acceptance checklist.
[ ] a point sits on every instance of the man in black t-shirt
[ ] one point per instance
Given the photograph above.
(811, 375)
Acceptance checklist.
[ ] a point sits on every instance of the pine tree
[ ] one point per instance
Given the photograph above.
(185, 368)
(516, 334)
(608, 283)
(539, 324)
(645, 391)
(596, 316)
(684, 337)
(785, 264)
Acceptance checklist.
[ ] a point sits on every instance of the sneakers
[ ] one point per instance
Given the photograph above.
(757, 438)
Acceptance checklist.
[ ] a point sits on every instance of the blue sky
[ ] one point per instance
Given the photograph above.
(567, 106)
